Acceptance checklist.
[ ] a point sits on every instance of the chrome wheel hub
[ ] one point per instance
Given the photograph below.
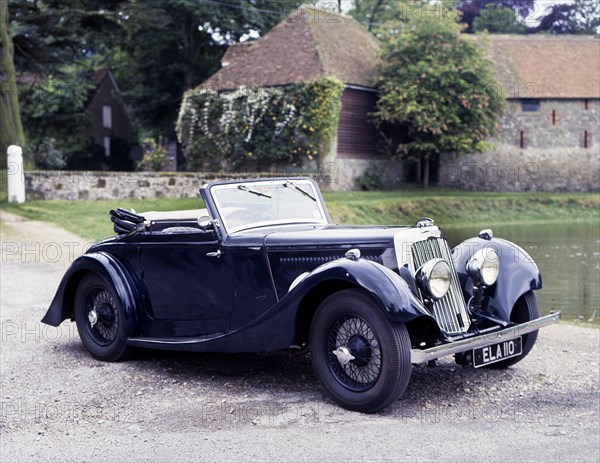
(343, 355)
(92, 317)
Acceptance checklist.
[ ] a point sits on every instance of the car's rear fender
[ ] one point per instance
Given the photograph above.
(387, 289)
(108, 267)
(518, 274)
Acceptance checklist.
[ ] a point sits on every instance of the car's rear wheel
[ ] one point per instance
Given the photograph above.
(524, 310)
(101, 322)
(361, 358)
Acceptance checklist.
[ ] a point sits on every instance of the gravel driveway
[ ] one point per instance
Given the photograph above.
(59, 404)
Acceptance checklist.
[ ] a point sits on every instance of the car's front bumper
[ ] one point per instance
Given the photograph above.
(425, 355)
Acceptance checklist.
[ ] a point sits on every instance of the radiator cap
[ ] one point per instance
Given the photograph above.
(486, 234)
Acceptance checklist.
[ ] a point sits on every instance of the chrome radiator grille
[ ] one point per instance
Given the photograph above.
(450, 311)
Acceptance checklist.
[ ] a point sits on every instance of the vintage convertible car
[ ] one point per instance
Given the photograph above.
(262, 268)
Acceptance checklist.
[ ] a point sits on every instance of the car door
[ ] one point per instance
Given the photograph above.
(188, 280)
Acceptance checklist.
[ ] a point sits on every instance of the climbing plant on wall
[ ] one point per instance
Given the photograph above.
(259, 126)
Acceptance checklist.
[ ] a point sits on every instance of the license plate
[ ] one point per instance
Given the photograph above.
(497, 352)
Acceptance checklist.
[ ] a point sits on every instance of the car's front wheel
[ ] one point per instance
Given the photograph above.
(361, 358)
(101, 322)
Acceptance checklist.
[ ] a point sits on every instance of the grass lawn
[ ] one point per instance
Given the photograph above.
(89, 219)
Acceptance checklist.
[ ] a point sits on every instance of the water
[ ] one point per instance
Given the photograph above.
(568, 256)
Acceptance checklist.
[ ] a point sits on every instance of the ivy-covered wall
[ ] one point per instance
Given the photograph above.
(286, 126)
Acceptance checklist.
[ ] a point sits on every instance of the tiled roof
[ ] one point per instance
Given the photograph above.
(306, 45)
(99, 75)
(547, 66)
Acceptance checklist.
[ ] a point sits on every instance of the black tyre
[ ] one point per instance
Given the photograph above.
(360, 357)
(525, 309)
(101, 322)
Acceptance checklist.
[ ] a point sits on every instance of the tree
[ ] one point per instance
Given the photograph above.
(497, 19)
(376, 15)
(159, 48)
(11, 128)
(439, 86)
(178, 45)
(372, 13)
(47, 42)
(472, 9)
(581, 17)
(586, 17)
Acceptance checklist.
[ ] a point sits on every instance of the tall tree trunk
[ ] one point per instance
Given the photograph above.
(11, 127)
(425, 171)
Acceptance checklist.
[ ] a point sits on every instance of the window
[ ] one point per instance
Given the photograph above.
(107, 117)
(554, 116)
(585, 139)
(522, 139)
(529, 106)
(107, 146)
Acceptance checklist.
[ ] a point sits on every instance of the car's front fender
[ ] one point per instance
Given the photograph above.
(387, 289)
(105, 265)
(518, 274)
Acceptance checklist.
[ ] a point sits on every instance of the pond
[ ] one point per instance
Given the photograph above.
(568, 256)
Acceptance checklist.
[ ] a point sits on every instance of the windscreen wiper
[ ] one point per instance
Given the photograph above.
(254, 192)
(297, 188)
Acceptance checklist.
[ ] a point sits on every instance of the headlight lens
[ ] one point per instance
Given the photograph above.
(484, 266)
(434, 278)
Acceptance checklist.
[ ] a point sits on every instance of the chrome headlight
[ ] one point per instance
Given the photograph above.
(434, 278)
(483, 266)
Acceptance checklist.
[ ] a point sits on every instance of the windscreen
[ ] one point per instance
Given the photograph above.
(256, 204)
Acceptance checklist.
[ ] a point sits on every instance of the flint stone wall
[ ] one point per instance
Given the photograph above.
(72, 185)
(534, 169)
(94, 185)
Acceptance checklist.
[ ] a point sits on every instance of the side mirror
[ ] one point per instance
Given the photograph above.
(206, 223)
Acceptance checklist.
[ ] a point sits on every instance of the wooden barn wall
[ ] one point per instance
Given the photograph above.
(357, 136)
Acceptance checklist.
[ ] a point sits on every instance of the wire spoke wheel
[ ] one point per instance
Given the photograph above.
(103, 316)
(102, 325)
(357, 336)
(361, 358)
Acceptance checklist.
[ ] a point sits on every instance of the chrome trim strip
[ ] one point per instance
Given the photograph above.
(424, 355)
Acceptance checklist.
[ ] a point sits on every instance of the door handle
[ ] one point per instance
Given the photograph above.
(216, 254)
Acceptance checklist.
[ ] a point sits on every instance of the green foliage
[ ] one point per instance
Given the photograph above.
(46, 156)
(497, 19)
(53, 107)
(174, 45)
(502, 18)
(49, 34)
(439, 85)
(374, 13)
(52, 41)
(156, 156)
(383, 16)
(579, 17)
(259, 126)
(370, 180)
(157, 49)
